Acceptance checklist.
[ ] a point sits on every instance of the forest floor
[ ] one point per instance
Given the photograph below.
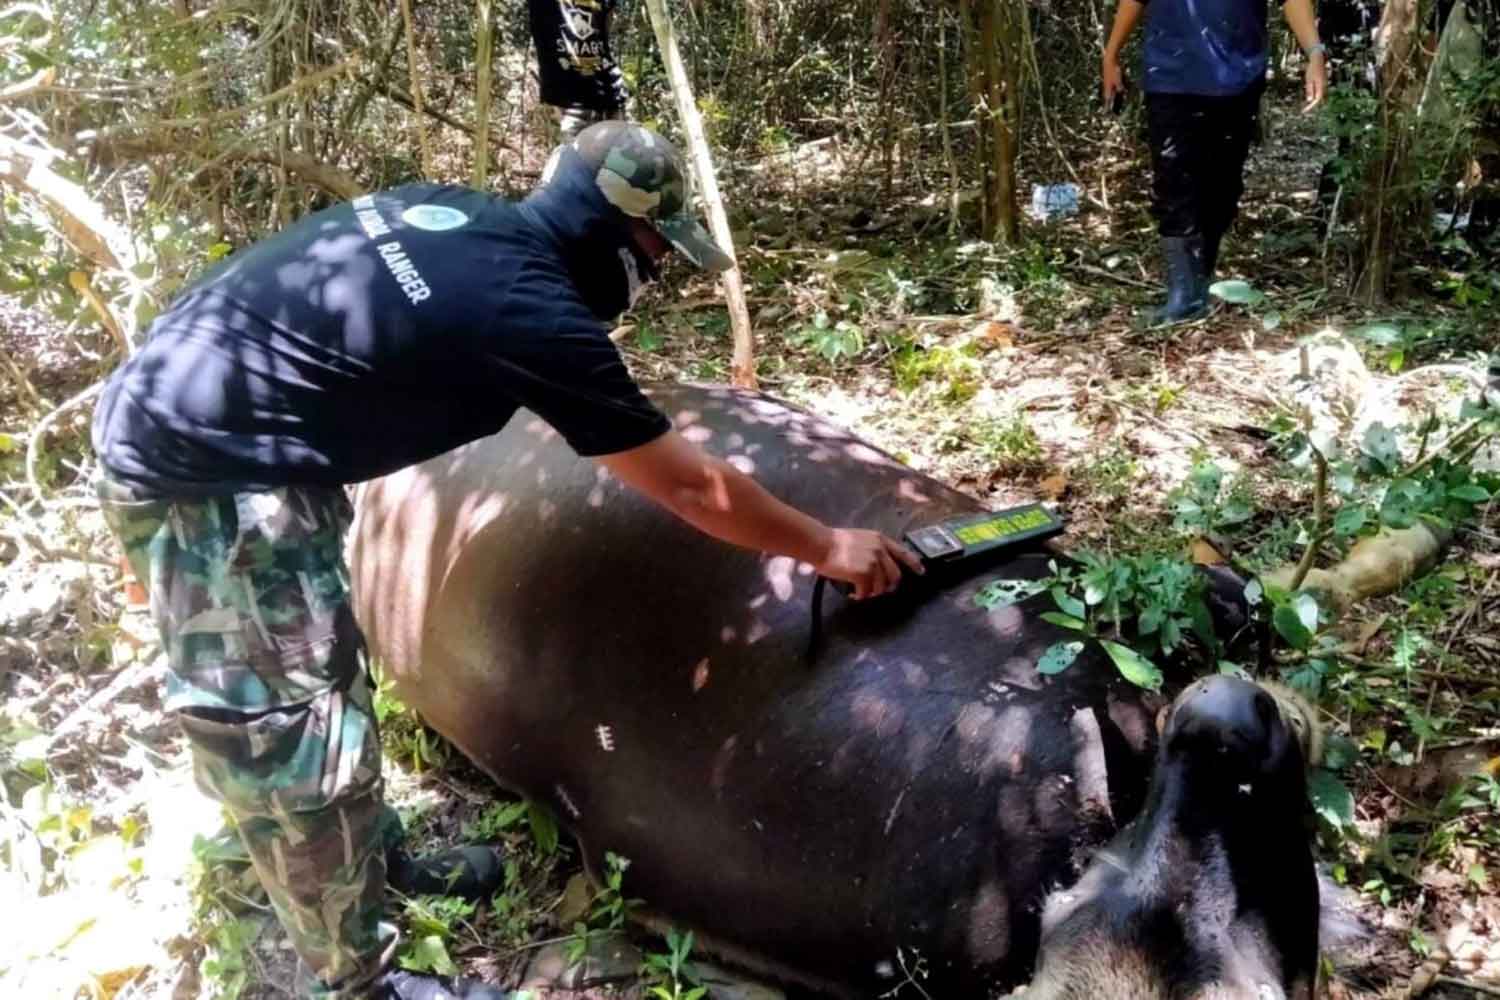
(1012, 374)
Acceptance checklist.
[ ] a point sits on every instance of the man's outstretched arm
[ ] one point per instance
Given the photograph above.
(1127, 16)
(1304, 24)
(721, 501)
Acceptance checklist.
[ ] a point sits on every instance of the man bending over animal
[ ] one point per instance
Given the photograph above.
(367, 337)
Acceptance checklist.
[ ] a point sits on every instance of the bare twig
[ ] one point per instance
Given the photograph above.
(289, 90)
(34, 443)
(22, 383)
(416, 87)
(1319, 532)
(1320, 487)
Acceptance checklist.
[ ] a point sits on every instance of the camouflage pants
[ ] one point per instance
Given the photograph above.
(250, 593)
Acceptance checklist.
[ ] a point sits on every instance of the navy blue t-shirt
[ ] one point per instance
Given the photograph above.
(364, 338)
(1217, 48)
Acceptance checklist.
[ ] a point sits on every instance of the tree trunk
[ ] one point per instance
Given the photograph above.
(993, 39)
(1389, 205)
(743, 364)
(484, 47)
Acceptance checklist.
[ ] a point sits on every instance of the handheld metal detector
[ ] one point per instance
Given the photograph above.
(965, 538)
(958, 543)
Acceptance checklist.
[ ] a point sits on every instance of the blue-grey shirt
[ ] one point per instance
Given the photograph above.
(1216, 48)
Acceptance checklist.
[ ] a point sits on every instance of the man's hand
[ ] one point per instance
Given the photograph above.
(867, 560)
(1127, 16)
(1114, 79)
(1317, 80)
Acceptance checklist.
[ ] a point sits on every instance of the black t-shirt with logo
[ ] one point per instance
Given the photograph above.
(576, 65)
(366, 337)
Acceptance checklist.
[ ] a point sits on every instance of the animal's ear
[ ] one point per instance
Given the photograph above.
(1300, 714)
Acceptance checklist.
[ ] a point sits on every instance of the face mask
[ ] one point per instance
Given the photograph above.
(615, 279)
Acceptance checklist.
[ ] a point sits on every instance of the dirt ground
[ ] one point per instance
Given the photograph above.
(1051, 390)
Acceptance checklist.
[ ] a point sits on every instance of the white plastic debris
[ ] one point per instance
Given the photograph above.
(1053, 201)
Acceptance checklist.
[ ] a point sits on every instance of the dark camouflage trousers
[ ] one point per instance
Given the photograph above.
(251, 595)
(571, 121)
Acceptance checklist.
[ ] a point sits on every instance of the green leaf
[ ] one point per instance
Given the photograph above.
(1150, 619)
(1288, 624)
(1068, 604)
(1066, 621)
(1330, 798)
(1059, 657)
(1134, 667)
(1349, 520)
(429, 954)
(1202, 621)
(8, 444)
(1239, 292)
(1470, 492)
(1399, 506)
(1171, 634)
(543, 827)
(648, 337)
(1379, 445)
(1338, 752)
(1234, 670)
(1004, 593)
(1270, 321)
(1306, 606)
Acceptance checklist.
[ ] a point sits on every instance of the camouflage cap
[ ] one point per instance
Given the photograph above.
(641, 174)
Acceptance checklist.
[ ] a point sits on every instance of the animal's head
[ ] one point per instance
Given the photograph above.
(1210, 894)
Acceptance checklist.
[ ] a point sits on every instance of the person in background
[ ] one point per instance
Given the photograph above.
(579, 74)
(1203, 70)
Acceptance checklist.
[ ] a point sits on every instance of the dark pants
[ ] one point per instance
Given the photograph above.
(1198, 150)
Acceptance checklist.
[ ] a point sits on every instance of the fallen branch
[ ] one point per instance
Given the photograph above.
(84, 223)
(85, 288)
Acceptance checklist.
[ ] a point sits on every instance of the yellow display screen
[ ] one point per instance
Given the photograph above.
(1004, 526)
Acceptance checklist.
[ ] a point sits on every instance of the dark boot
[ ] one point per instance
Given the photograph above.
(471, 873)
(1186, 296)
(398, 984)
